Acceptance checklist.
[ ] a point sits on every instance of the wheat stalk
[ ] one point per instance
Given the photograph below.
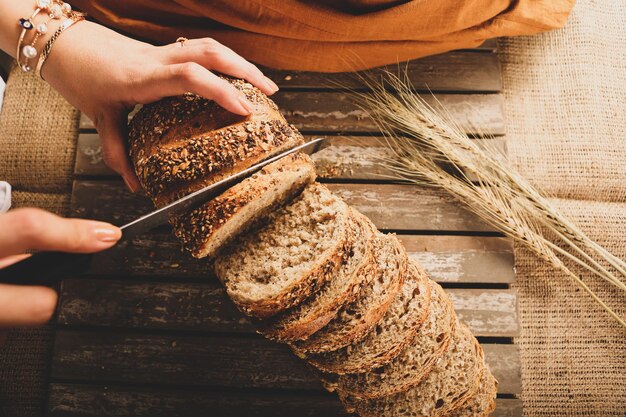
(421, 138)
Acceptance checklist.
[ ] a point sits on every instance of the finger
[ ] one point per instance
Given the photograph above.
(28, 228)
(26, 306)
(172, 80)
(10, 260)
(112, 128)
(215, 56)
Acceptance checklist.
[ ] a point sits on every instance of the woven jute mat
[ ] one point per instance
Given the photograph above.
(565, 102)
(38, 133)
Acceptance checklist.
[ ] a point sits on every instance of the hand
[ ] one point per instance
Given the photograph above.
(105, 74)
(25, 229)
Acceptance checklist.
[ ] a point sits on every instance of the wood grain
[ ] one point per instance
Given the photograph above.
(389, 206)
(336, 112)
(244, 362)
(452, 71)
(72, 400)
(207, 308)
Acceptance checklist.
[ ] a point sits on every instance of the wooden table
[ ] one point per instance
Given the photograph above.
(150, 331)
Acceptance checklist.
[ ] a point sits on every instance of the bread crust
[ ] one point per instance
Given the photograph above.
(348, 363)
(321, 341)
(181, 144)
(354, 385)
(288, 327)
(198, 228)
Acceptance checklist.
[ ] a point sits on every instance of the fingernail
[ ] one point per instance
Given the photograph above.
(106, 233)
(271, 85)
(247, 106)
(131, 185)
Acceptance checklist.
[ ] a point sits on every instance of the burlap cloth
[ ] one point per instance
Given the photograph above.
(565, 102)
(38, 132)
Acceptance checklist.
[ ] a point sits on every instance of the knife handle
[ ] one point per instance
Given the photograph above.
(45, 268)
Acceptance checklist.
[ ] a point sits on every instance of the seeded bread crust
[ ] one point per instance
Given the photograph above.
(205, 230)
(355, 320)
(410, 367)
(305, 319)
(484, 402)
(446, 388)
(181, 144)
(228, 265)
(391, 335)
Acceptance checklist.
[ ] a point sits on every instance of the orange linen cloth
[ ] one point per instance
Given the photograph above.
(331, 36)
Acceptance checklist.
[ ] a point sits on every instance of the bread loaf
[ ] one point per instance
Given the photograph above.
(291, 258)
(416, 361)
(205, 230)
(181, 144)
(356, 319)
(453, 381)
(389, 337)
(305, 319)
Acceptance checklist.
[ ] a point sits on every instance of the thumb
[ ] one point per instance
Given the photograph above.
(112, 128)
(25, 229)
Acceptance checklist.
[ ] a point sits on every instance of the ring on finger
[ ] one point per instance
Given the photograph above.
(182, 40)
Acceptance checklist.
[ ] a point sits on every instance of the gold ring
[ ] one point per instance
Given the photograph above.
(182, 40)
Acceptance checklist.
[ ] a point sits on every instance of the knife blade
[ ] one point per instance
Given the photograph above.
(46, 268)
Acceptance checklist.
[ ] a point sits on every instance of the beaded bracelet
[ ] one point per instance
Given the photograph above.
(45, 52)
(56, 9)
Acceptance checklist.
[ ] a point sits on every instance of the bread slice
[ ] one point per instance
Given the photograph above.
(356, 319)
(314, 313)
(205, 230)
(181, 144)
(484, 402)
(410, 367)
(451, 383)
(389, 337)
(289, 259)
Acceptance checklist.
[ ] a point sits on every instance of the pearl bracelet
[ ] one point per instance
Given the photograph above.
(55, 9)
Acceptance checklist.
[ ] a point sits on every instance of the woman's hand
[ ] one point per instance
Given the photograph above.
(25, 229)
(105, 74)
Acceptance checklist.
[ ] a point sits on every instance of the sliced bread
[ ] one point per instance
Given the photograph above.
(180, 144)
(484, 401)
(356, 319)
(305, 319)
(451, 383)
(291, 258)
(410, 367)
(205, 230)
(389, 337)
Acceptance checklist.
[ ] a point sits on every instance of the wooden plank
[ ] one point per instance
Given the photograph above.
(336, 112)
(390, 206)
(458, 259)
(463, 259)
(75, 400)
(243, 362)
(345, 157)
(451, 71)
(207, 308)
(360, 157)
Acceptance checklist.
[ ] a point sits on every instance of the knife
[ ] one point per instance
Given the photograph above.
(47, 268)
